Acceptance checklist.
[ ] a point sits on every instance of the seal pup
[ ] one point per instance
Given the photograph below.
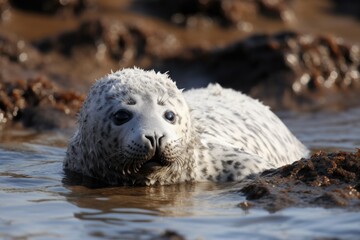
(137, 128)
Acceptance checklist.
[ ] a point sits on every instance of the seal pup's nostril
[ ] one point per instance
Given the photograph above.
(152, 140)
(159, 140)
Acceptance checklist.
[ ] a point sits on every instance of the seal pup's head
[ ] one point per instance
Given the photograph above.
(134, 128)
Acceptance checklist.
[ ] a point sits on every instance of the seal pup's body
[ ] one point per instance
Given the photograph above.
(137, 127)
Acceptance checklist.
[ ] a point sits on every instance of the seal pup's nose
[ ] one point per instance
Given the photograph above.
(154, 140)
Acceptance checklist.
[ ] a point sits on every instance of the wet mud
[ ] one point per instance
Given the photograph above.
(324, 179)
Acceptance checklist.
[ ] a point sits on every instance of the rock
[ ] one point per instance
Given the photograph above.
(285, 70)
(226, 13)
(351, 8)
(324, 179)
(38, 103)
(124, 43)
(169, 235)
(19, 51)
(52, 7)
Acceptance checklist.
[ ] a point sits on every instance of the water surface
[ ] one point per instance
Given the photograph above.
(37, 201)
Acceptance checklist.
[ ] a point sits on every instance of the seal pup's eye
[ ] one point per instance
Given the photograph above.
(121, 117)
(170, 116)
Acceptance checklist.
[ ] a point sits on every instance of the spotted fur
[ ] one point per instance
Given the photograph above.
(217, 135)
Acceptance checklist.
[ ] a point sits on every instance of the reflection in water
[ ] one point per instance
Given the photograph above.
(136, 211)
(38, 201)
(174, 200)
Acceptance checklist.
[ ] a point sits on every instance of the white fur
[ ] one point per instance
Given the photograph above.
(219, 134)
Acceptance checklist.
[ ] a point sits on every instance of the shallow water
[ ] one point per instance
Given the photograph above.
(36, 202)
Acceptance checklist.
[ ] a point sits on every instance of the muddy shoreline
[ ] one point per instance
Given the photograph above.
(325, 179)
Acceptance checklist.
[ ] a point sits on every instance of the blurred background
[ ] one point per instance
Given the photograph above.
(295, 55)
